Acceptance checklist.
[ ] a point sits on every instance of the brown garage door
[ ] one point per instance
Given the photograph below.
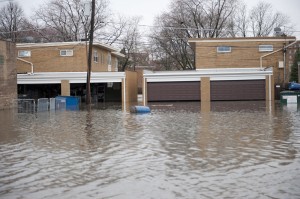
(173, 91)
(238, 90)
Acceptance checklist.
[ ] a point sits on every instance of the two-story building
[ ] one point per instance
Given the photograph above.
(51, 69)
(226, 69)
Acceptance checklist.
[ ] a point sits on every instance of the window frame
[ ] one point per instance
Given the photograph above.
(24, 55)
(116, 65)
(96, 56)
(264, 48)
(66, 50)
(224, 51)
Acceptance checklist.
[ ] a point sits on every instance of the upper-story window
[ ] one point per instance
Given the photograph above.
(116, 65)
(265, 48)
(24, 53)
(66, 53)
(109, 59)
(96, 57)
(224, 49)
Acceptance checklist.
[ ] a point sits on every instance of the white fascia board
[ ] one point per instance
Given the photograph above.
(73, 77)
(217, 74)
(117, 54)
(53, 44)
(241, 40)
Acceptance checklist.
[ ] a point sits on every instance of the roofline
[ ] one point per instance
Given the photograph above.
(117, 54)
(215, 74)
(241, 39)
(101, 45)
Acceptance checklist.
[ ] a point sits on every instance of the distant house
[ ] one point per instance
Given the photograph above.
(51, 69)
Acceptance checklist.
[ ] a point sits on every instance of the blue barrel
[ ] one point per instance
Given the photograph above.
(140, 109)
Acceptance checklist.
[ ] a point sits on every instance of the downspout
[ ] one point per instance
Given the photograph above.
(27, 63)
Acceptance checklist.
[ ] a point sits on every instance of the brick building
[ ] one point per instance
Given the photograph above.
(226, 69)
(52, 69)
(8, 75)
(245, 53)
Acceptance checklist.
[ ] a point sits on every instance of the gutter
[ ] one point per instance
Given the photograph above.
(27, 63)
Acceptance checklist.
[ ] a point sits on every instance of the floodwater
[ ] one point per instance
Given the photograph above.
(236, 150)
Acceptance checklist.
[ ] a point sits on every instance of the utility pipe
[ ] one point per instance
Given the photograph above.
(275, 52)
(27, 63)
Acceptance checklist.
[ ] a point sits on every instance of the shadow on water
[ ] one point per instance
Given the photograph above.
(179, 150)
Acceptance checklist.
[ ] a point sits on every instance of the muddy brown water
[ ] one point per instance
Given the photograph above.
(236, 150)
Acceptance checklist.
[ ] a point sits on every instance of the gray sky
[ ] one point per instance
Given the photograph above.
(148, 9)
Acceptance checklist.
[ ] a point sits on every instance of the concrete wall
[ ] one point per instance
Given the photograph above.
(48, 59)
(8, 75)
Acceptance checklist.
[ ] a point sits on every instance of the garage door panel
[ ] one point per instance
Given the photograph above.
(238, 90)
(173, 91)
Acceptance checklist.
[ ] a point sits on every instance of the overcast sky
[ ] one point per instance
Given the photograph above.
(148, 9)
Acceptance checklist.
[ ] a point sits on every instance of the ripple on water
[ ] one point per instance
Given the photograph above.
(171, 153)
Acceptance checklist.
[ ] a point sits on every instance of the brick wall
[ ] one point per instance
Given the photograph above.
(8, 75)
(244, 54)
(48, 59)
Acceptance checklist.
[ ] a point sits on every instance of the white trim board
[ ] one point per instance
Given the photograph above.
(214, 74)
(73, 77)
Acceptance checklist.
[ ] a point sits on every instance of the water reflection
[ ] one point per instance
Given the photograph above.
(179, 150)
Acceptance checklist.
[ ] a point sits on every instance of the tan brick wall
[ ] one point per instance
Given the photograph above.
(48, 59)
(8, 76)
(65, 88)
(131, 86)
(242, 55)
(205, 89)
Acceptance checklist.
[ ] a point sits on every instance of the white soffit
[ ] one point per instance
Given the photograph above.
(73, 77)
(214, 74)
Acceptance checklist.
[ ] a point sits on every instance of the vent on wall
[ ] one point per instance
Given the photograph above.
(280, 64)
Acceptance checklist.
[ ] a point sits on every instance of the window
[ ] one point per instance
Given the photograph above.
(265, 48)
(109, 59)
(24, 53)
(66, 53)
(224, 49)
(116, 65)
(96, 57)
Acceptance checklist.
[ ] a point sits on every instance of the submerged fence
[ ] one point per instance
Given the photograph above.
(45, 104)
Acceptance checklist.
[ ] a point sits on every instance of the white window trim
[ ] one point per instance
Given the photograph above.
(96, 57)
(28, 51)
(116, 65)
(265, 48)
(223, 51)
(109, 59)
(69, 53)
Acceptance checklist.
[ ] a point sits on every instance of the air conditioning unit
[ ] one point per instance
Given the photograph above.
(280, 64)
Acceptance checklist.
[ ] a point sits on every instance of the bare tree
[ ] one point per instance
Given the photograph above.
(129, 42)
(239, 22)
(66, 19)
(12, 21)
(190, 19)
(263, 19)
